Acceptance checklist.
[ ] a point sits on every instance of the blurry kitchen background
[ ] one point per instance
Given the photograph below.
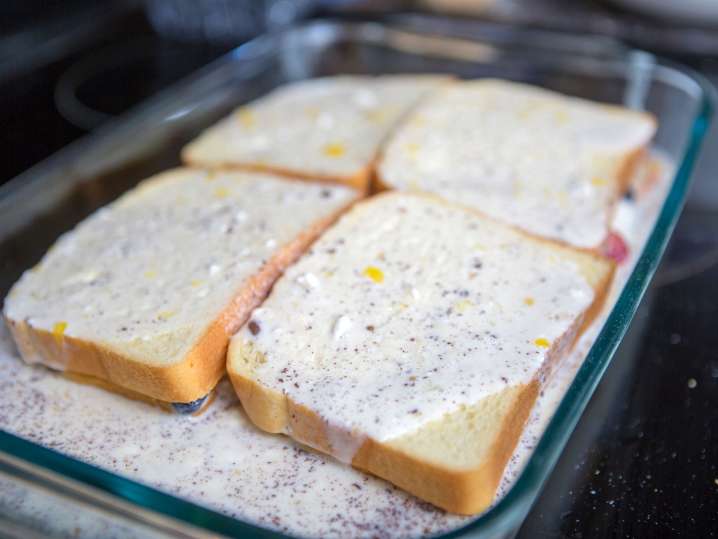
(642, 462)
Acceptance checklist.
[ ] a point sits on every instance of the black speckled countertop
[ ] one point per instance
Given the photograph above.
(643, 461)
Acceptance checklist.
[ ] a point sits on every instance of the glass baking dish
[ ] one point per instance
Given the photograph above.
(52, 197)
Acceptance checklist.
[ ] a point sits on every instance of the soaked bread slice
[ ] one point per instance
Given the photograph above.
(411, 341)
(144, 294)
(547, 163)
(328, 128)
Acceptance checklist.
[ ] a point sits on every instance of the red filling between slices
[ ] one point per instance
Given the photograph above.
(615, 247)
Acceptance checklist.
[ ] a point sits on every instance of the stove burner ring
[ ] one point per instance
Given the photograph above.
(110, 61)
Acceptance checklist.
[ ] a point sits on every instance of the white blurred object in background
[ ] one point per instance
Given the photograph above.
(223, 21)
(701, 12)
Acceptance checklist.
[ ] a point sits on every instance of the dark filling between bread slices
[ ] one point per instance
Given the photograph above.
(196, 406)
(189, 407)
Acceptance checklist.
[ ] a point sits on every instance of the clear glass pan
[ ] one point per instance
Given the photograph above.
(42, 203)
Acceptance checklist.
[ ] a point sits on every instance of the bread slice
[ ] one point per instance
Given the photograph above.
(550, 164)
(144, 294)
(411, 341)
(327, 128)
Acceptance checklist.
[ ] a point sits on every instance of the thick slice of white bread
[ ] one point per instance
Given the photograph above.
(550, 164)
(411, 341)
(144, 294)
(329, 128)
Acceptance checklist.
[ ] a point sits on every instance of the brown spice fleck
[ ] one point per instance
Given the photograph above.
(370, 328)
(254, 328)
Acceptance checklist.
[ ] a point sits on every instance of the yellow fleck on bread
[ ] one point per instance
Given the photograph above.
(328, 129)
(144, 294)
(547, 163)
(403, 343)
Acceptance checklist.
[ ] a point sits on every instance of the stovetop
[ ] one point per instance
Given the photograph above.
(643, 461)
(87, 81)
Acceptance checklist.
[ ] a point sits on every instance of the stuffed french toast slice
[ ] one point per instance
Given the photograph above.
(411, 341)
(326, 129)
(142, 296)
(550, 164)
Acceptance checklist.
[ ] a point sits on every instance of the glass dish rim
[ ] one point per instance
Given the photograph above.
(517, 501)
